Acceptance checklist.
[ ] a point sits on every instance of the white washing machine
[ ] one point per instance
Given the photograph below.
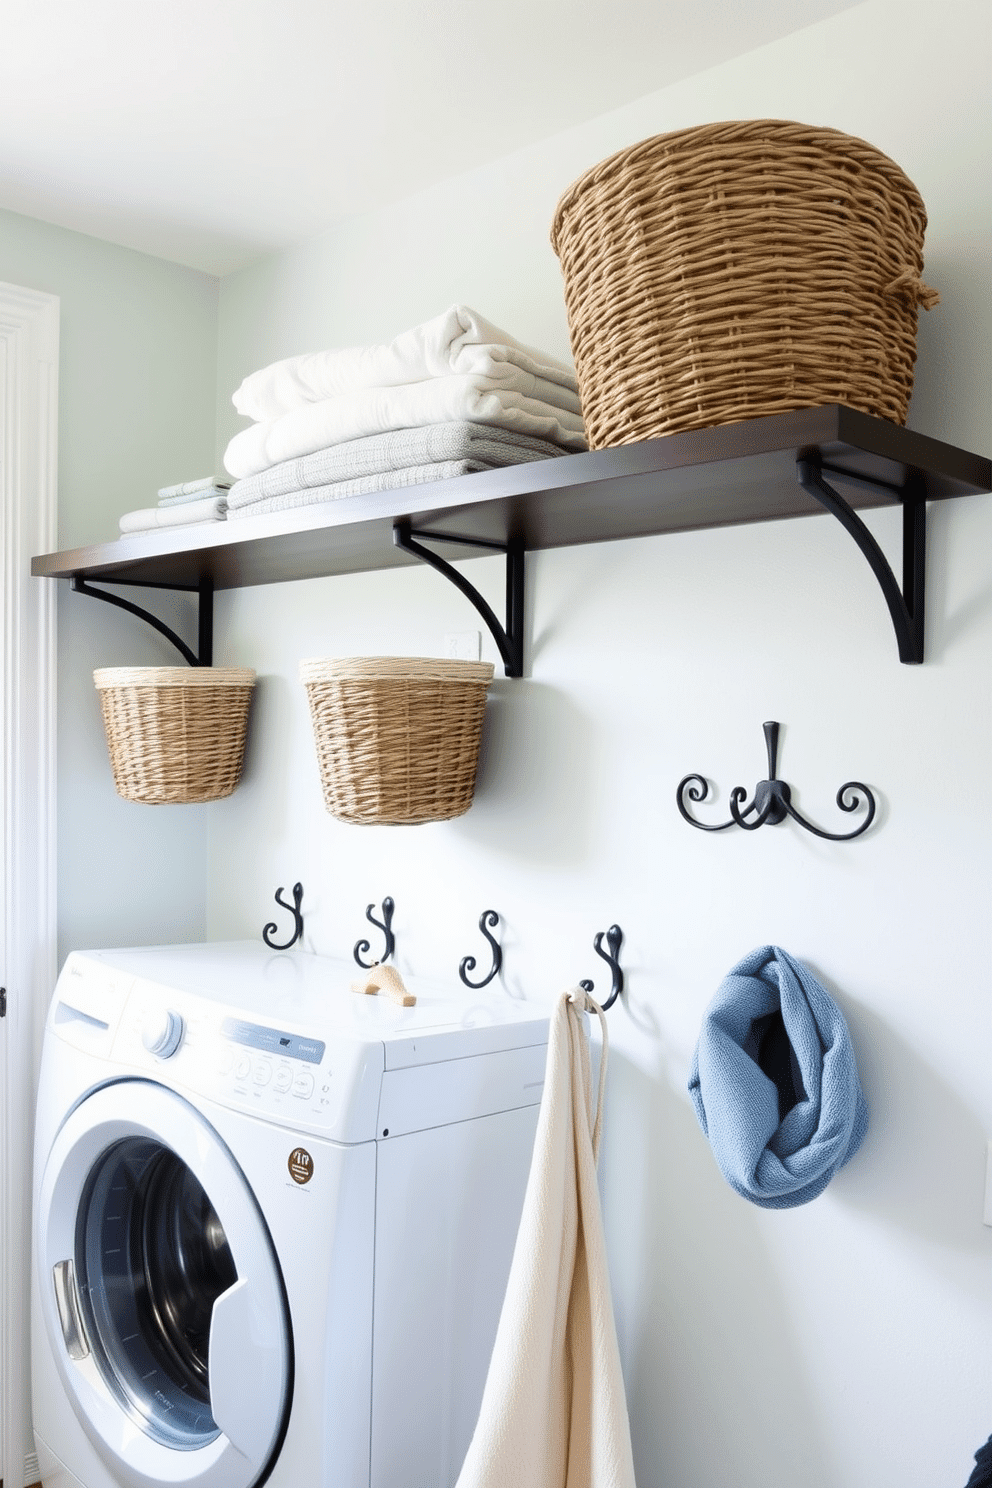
(273, 1220)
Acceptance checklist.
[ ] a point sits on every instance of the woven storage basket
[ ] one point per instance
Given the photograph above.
(397, 736)
(737, 270)
(175, 734)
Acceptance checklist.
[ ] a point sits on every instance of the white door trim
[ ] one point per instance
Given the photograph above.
(29, 346)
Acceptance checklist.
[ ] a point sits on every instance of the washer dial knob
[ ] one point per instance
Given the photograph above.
(162, 1032)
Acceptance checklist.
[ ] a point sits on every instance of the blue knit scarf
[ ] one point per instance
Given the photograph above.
(774, 1082)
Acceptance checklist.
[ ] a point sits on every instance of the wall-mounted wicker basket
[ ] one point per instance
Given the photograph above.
(175, 735)
(397, 736)
(737, 270)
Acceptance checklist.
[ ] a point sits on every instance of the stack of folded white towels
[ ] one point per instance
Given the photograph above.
(190, 502)
(449, 397)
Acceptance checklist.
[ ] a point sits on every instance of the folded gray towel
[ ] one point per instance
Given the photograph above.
(476, 446)
(385, 480)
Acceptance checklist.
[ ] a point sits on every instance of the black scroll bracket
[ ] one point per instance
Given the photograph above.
(203, 655)
(772, 800)
(907, 606)
(386, 926)
(614, 939)
(488, 919)
(509, 639)
(270, 929)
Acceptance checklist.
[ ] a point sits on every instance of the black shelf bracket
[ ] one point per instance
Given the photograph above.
(204, 653)
(509, 639)
(906, 605)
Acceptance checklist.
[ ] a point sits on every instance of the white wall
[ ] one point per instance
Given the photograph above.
(137, 375)
(846, 1344)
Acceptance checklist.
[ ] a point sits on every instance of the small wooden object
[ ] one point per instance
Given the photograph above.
(388, 980)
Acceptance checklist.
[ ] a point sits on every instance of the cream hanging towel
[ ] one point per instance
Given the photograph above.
(554, 1414)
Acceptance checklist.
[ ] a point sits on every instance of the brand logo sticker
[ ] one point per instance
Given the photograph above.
(300, 1165)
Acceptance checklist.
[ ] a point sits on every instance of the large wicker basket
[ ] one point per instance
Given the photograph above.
(397, 736)
(737, 270)
(176, 735)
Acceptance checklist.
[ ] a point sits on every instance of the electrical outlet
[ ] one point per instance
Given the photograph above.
(463, 645)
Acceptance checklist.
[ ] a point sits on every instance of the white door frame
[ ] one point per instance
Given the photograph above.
(29, 345)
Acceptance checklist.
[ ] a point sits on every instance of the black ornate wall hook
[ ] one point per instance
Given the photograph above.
(614, 939)
(270, 929)
(386, 926)
(772, 801)
(468, 963)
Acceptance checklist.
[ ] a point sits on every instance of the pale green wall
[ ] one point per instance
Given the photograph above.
(136, 411)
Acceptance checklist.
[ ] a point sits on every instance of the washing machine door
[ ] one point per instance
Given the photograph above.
(162, 1294)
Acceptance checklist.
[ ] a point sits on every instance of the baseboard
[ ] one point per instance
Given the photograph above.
(32, 1472)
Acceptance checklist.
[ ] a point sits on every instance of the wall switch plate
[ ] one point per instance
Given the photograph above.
(463, 645)
(987, 1216)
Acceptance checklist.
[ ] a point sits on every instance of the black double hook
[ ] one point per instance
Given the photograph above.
(614, 939)
(386, 926)
(270, 929)
(468, 963)
(772, 801)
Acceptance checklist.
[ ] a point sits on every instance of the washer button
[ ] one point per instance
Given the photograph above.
(283, 1079)
(303, 1085)
(262, 1073)
(242, 1067)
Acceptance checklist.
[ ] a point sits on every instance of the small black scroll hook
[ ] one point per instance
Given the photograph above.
(614, 939)
(294, 908)
(385, 925)
(468, 963)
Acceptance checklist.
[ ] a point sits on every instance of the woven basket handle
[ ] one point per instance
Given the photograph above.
(911, 287)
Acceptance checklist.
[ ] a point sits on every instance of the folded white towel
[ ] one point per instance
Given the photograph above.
(553, 1413)
(375, 410)
(208, 509)
(212, 489)
(189, 488)
(471, 446)
(458, 341)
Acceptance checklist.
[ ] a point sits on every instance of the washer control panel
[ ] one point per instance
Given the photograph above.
(280, 1073)
(273, 1040)
(263, 1057)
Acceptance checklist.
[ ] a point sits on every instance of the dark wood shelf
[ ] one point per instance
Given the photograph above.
(737, 473)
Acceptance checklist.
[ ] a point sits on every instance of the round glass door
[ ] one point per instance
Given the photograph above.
(151, 1260)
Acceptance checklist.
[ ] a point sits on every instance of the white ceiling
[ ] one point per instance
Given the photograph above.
(213, 131)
